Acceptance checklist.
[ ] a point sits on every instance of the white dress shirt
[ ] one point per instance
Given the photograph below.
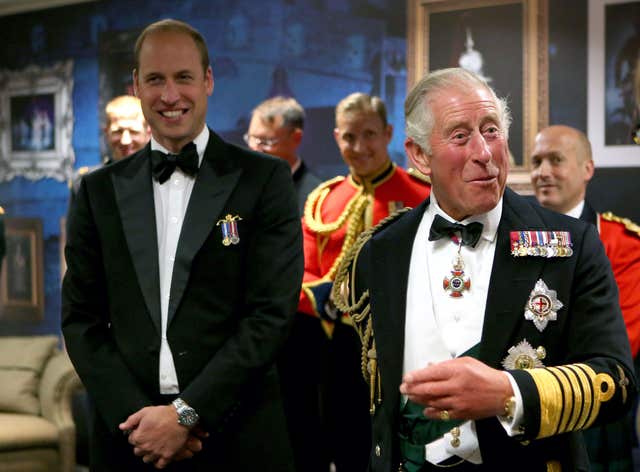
(171, 200)
(439, 327)
(576, 211)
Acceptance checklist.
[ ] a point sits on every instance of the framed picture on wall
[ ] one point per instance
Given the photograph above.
(612, 110)
(36, 122)
(22, 278)
(504, 41)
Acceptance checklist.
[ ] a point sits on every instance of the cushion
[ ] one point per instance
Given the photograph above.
(25, 432)
(22, 360)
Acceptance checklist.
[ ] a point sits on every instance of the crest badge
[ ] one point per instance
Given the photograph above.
(524, 356)
(229, 229)
(458, 281)
(542, 306)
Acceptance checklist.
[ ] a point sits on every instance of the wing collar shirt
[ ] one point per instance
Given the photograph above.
(170, 200)
(440, 327)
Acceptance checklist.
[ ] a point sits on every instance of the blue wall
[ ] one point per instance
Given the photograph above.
(315, 50)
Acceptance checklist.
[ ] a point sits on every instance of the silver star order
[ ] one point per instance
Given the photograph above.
(542, 306)
(522, 356)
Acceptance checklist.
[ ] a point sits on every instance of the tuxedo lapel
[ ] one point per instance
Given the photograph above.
(216, 178)
(390, 260)
(512, 279)
(134, 196)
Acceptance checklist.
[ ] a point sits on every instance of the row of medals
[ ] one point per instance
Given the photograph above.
(542, 251)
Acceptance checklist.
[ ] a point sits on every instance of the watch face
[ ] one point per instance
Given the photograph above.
(188, 416)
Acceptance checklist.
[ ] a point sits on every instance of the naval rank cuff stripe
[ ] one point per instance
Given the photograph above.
(567, 400)
(588, 395)
(570, 397)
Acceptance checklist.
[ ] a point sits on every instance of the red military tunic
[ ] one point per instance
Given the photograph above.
(621, 240)
(339, 210)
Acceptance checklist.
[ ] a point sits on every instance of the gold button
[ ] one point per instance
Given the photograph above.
(378, 450)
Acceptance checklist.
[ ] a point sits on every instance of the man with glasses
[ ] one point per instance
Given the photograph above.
(276, 129)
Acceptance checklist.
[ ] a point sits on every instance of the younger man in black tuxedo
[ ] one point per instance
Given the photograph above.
(174, 306)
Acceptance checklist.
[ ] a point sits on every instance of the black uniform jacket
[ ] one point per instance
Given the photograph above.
(587, 376)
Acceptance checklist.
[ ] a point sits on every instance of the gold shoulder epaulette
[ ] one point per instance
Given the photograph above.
(628, 224)
(83, 170)
(416, 174)
(313, 207)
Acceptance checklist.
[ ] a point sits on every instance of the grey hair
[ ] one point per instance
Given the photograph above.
(289, 109)
(418, 115)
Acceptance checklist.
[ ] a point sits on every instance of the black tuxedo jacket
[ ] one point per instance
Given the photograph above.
(589, 330)
(304, 182)
(230, 306)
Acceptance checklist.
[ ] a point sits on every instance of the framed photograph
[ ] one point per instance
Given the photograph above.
(22, 278)
(612, 110)
(505, 41)
(36, 122)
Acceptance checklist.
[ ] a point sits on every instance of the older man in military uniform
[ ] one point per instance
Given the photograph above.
(490, 325)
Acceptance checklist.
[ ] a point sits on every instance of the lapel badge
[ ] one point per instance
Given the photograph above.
(542, 306)
(541, 243)
(524, 356)
(229, 229)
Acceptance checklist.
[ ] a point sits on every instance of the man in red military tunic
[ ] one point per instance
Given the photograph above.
(562, 166)
(328, 360)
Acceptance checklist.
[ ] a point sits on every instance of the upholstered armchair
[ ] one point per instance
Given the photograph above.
(37, 383)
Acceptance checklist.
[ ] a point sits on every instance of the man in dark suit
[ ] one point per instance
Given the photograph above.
(276, 128)
(184, 267)
(491, 327)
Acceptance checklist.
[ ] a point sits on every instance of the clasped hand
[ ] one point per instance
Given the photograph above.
(159, 439)
(463, 388)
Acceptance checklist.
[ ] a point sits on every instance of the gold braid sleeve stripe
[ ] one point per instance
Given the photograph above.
(568, 405)
(570, 397)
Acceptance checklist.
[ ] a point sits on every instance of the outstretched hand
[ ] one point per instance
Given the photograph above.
(464, 388)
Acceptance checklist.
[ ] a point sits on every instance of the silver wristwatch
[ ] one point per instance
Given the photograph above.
(187, 416)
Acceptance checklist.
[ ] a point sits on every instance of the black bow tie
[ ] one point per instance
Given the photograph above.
(470, 233)
(163, 165)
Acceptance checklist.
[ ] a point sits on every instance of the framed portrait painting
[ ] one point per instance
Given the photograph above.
(36, 122)
(613, 82)
(505, 42)
(22, 278)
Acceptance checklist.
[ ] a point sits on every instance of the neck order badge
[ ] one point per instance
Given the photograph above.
(457, 282)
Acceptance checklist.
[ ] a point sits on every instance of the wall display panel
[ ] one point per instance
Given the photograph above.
(505, 41)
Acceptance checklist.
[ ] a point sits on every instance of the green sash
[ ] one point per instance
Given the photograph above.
(416, 430)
